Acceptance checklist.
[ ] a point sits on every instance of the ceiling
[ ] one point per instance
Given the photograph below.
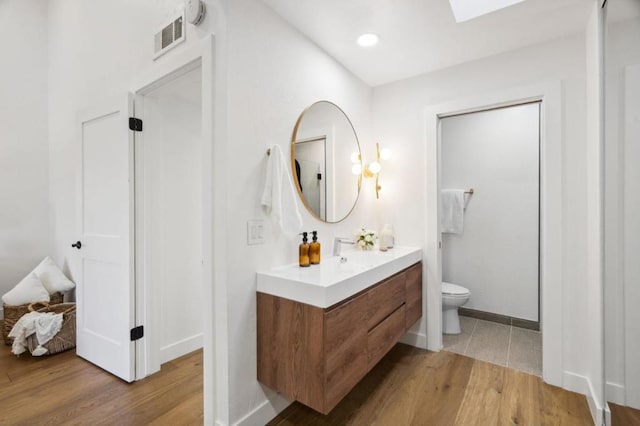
(418, 36)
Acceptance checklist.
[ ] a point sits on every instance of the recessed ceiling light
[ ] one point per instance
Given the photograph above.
(368, 40)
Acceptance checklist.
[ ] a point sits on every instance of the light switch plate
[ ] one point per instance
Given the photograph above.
(255, 232)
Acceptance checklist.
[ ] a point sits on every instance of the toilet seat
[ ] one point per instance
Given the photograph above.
(450, 289)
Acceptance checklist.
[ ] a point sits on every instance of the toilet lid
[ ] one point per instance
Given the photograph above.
(448, 288)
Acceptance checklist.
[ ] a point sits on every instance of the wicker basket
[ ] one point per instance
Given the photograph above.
(65, 339)
(12, 313)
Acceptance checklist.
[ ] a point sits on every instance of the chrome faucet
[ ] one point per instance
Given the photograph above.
(337, 243)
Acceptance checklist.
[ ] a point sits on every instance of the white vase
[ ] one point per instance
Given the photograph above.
(386, 238)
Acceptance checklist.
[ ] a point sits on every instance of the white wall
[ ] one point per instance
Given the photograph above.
(267, 73)
(270, 73)
(96, 50)
(173, 210)
(24, 190)
(100, 63)
(274, 73)
(621, 203)
(399, 123)
(496, 257)
(632, 227)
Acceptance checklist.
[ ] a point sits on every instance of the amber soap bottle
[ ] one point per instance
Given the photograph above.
(314, 249)
(303, 251)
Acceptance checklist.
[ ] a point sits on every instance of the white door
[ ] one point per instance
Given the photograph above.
(105, 309)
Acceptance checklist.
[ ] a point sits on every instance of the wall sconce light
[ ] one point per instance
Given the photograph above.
(373, 169)
(356, 166)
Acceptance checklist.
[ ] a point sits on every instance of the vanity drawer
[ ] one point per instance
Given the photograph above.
(414, 294)
(318, 355)
(382, 338)
(345, 349)
(385, 298)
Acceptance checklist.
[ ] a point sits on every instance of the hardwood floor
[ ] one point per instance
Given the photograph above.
(624, 416)
(64, 389)
(413, 387)
(408, 387)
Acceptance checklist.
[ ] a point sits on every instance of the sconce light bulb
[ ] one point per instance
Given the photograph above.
(356, 169)
(355, 157)
(375, 167)
(385, 153)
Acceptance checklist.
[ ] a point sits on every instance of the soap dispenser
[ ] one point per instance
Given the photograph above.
(314, 249)
(303, 251)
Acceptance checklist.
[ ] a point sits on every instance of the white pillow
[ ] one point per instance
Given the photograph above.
(29, 290)
(52, 277)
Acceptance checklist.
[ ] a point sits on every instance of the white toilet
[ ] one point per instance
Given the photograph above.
(453, 296)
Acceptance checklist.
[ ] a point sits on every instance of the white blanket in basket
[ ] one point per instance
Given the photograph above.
(44, 324)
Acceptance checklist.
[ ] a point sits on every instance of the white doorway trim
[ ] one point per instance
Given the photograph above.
(197, 54)
(550, 214)
(148, 309)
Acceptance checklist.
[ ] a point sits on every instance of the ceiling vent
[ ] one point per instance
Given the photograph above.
(169, 37)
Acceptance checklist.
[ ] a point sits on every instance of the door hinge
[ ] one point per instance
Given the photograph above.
(439, 244)
(135, 124)
(137, 333)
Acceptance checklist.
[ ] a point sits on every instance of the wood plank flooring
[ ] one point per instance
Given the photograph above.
(408, 387)
(414, 387)
(65, 389)
(624, 416)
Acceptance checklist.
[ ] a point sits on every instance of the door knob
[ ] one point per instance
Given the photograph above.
(77, 245)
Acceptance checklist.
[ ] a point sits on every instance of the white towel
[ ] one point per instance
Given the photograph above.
(44, 324)
(279, 195)
(452, 211)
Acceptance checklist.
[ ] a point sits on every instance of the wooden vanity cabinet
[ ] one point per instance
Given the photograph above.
(316, 356)
(414, 294)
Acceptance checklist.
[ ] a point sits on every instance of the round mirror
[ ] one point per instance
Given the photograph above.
(326, 161)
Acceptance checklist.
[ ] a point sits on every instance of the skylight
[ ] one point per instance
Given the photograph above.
(465, 10)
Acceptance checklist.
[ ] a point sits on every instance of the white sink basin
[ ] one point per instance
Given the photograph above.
(336, 278)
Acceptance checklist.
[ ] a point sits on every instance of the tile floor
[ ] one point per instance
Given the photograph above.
(501, 344)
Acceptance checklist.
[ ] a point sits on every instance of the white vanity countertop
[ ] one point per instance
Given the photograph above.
(332, 281)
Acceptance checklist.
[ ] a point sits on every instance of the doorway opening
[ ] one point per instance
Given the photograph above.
(311, 171)
(169, 215)
(490, 222)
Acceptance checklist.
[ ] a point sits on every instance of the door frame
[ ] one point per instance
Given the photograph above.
(149, 311)
(550, 97)
(201, 54)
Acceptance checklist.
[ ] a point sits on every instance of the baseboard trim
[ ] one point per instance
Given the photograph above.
(181, 347)
(581, 384)
(264, 412)
(499, 318)
(616, 393)
(413, 338)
